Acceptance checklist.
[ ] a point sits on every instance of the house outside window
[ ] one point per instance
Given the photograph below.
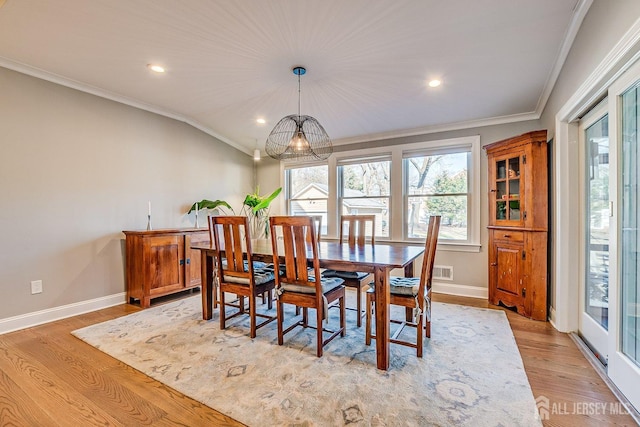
(307, 192)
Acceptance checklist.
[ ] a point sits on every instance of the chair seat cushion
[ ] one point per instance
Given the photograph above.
(402, 285)
(328, 284)
(256, 264)
(345, 274)
(261, 276)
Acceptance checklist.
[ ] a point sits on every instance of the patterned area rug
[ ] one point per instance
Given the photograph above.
(471, 373)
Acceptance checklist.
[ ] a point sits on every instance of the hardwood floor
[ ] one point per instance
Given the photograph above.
(50, 378)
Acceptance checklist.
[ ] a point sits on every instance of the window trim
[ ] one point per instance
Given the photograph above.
(396, 154)
(435, 152)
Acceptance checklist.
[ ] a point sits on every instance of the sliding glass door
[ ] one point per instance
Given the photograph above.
(624, 290)
(594, 307)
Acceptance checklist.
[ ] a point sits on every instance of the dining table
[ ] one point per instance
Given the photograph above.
(379, 259)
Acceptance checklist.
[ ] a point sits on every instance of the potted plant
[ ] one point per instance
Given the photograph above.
(254, 206)
(257, 208)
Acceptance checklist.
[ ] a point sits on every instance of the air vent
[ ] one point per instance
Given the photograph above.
(443, 272)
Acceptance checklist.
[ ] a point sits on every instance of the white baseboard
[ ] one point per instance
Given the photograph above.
(28, 320)
(460, 290)
(552, 317)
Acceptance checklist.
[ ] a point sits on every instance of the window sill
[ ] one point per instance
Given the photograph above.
(442, 246)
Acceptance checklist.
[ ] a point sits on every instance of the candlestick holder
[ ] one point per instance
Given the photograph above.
(149, 222)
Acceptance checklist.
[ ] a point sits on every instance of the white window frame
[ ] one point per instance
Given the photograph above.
(397, 197)
(286, 185)
(435, 152)
(343, 161)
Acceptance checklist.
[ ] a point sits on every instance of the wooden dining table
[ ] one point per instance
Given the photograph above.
(378, 259)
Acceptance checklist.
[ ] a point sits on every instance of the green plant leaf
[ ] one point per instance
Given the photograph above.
(265, 202)
(209, 204)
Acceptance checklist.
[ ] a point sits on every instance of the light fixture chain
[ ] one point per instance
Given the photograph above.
(299, 96)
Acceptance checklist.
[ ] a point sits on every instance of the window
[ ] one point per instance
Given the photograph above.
(307, 190)
(437, 184)
(365, 189)
(402, 185)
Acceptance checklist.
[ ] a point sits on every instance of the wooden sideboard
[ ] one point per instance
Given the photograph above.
(161, 262)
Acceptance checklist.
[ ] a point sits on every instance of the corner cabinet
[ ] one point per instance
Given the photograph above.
(518, 223)
(161, 262)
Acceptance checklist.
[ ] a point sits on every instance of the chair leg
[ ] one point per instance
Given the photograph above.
(222, 311)
(427, 319)
(252, 315)
(359, 304)
(305, 316)
(280, 320)
(343, 316)
(419, 334)
(367, 336)
(269, 299)
(319, 311)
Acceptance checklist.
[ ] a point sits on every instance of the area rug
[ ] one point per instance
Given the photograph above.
(471, 373)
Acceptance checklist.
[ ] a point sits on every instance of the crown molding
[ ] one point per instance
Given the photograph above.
(87, 88)
(468, 124)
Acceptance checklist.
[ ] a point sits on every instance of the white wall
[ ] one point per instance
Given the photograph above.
(75, 171)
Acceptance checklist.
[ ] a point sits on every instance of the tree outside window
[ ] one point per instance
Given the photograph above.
(438, 185)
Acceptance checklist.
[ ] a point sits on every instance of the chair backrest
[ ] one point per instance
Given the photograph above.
(357, 228)
(429, 253)
(232, 233)
(299, 245)
(317, 219)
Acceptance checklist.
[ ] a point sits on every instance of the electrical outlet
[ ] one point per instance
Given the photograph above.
(36, 287)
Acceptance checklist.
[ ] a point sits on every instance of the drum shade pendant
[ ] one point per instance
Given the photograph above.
(298, 137)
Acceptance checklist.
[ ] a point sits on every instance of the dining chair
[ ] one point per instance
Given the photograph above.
(237, 275)
(356, 235)
(317, 220)
(411, 293)
(299, 284)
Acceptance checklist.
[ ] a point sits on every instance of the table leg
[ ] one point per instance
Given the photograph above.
(383, 297)
(207, 285)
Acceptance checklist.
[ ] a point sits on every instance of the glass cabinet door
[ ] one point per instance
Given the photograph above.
(508, 189)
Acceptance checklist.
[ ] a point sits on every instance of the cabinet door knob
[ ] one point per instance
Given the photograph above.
(506, 235)
(494, 264)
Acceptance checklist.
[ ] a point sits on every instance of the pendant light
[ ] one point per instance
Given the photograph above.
(298, 137)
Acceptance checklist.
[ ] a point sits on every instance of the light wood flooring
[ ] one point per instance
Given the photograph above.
(50, 378)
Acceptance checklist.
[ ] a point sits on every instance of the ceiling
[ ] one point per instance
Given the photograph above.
(229, 63)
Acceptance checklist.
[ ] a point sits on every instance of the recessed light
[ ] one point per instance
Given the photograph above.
(261, 121)
(156, 68)
(434, 83)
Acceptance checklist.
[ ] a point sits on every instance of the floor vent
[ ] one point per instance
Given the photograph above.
(443, 272)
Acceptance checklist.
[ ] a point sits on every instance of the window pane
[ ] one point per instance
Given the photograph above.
(440, 174)
(453, 209)
(597, 221)
(366, 179)
(303, 180)
(630, 292)
(370, 206)
(362, 186)
(308, 192)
